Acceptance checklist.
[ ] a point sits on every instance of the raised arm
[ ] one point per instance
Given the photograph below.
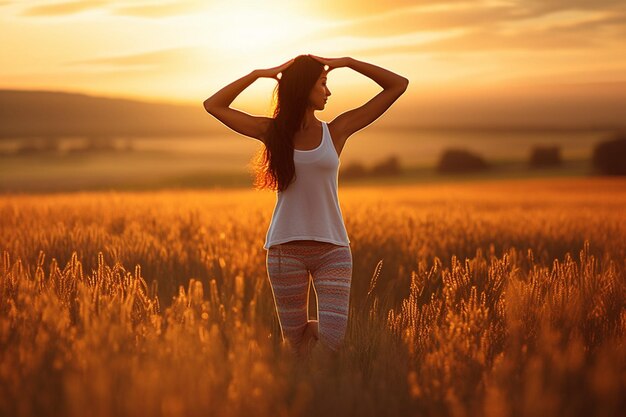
(393, 85)
(218, 105)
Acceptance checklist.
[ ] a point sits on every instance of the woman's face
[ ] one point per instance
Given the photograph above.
(319, 93)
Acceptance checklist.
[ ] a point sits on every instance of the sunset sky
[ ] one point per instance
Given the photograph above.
(184, 50)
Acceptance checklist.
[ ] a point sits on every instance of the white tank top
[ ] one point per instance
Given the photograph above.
(309, 208)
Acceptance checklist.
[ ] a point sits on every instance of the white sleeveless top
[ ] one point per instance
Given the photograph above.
(309, 208)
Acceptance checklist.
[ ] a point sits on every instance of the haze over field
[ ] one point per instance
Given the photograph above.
(471, 63)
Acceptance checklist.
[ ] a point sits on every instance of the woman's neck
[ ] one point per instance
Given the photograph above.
(309, 120)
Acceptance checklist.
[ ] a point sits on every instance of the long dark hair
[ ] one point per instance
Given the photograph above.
(273, 165)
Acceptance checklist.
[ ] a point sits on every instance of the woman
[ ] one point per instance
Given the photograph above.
(306, 232)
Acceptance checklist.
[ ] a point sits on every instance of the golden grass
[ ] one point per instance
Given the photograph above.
(484, 299)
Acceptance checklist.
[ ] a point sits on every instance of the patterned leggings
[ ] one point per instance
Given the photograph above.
(288, 268)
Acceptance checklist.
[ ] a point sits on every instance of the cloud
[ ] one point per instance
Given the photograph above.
(124, 8)
(146, 8)
(358, 8)
(472, 16)
(411, 21)
(487, 27)
(479, 40)
(591, 26)
(163, 59)
(530, 8)
(356, 17)
(161, 10)
(60, 9)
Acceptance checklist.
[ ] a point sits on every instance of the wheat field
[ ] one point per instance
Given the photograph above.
(496, 298)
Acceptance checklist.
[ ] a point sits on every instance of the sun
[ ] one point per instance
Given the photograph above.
(250, 31)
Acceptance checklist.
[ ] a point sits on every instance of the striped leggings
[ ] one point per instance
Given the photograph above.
(330, 265)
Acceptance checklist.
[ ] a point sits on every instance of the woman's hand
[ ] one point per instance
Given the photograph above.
(273, 72)
(332, 62)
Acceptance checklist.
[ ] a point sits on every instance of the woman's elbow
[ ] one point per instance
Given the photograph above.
(207, 106)
(400, 86)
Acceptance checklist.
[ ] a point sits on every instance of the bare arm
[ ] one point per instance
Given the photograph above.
(385, 78)
(393, 85)
(218, 105)
(228, 94)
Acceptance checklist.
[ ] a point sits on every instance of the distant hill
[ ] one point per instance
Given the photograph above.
(522, 106)
(590, 106)
(45, 113)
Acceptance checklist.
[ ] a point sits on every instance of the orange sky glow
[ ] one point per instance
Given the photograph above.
(184, 50)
